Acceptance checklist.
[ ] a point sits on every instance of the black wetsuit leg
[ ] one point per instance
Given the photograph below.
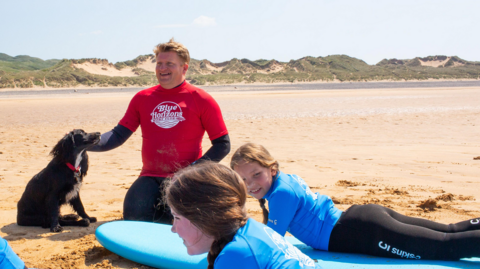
(379, 231)
(143, 201)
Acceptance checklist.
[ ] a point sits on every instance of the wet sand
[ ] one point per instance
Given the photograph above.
(315, 86)
(398, 147)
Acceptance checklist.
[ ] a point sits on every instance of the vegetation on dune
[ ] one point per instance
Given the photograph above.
(333, 68)
(134, 62)
(23, 63)
(27, 72)
(63, 74)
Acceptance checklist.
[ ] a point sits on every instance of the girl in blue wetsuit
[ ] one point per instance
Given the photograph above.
(367, 229)
(207, 202)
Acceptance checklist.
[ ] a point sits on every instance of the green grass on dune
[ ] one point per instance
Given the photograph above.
(63, 74)
(23, 63)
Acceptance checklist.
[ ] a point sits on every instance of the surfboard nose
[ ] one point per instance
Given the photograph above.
(148, 243)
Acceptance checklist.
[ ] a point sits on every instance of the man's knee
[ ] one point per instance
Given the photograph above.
(141, 200)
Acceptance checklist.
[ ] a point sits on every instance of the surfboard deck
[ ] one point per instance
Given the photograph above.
(156, 246)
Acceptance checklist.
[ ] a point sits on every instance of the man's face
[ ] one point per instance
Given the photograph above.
(170, 69)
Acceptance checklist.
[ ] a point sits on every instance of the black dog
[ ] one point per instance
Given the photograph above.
(58, 184)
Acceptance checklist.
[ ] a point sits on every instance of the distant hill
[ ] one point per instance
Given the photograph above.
(332, 68)
(28, 72)
(432, 61)
(23, 62)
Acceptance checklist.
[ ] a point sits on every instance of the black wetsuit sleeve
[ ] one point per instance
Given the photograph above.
(112, 139)
(219, 149)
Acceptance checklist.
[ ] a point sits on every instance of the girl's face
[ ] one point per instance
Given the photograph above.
(193, 238)
(257, 178)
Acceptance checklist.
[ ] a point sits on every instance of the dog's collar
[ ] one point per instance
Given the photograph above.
(73, 168)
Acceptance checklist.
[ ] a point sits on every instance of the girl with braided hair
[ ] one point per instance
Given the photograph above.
(366, 229)
(207, 202)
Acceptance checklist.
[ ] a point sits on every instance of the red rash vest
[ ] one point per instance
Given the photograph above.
(173, 122)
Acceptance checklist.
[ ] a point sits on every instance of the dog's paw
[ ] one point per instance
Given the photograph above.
(92, 219)
(84, 222)
(56, 229)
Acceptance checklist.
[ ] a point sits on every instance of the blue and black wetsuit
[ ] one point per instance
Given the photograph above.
(367, 229)
(293, 207)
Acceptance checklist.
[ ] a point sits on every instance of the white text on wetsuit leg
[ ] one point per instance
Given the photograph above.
(401, 253)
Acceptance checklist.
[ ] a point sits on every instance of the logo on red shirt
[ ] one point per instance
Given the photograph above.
(167, 114)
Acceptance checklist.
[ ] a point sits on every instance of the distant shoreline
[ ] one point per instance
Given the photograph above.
(258, 87)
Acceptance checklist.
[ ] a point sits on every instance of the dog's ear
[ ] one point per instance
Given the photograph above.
(64, 147)
(72, 136)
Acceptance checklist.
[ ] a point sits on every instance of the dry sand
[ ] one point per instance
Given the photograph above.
(398, 148)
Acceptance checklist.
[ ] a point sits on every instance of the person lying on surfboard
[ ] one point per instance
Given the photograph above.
(207, 202)
(366, 229)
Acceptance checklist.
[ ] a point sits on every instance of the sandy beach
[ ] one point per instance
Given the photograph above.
(410, 149)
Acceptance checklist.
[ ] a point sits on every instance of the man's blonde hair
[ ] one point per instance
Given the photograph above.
(171, 45)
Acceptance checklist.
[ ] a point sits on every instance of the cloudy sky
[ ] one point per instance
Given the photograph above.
(219, 30)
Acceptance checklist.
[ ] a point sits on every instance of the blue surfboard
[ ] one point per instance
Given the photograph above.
(156, 246)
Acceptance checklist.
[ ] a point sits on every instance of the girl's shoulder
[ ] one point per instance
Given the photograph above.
(258, 246)
(238, 249)
(282, 183)
(290, 182)
(295, 184)
(283, 188)
(241, 252)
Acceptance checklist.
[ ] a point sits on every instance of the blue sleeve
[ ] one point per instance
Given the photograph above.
(238, 256)
(282, 207)
(8, 258)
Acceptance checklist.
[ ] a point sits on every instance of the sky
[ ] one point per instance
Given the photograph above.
(219, 30)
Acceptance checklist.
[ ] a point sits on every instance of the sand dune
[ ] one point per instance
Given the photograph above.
(411, 150)
(108, 69)
(105, 70)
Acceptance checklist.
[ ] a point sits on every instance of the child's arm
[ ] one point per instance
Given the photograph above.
(283, 207)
